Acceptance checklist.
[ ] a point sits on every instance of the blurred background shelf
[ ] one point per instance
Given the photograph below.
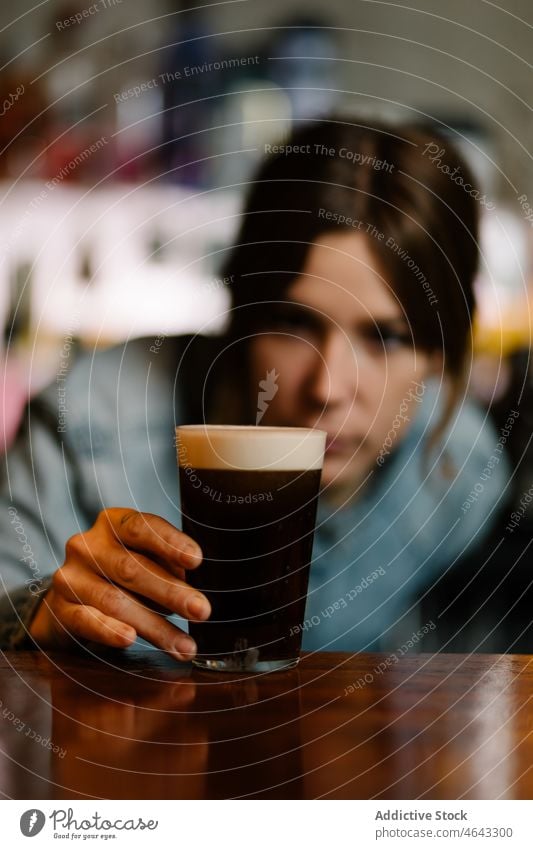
(129, 135)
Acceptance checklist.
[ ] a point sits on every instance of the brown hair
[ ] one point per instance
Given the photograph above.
(333, 172)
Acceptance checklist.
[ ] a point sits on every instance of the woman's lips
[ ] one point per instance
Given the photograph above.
(336, 444)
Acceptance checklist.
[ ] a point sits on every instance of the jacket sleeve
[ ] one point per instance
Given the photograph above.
(115, 448)
(39, 511)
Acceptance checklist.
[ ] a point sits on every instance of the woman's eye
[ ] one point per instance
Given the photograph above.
(291, 321)
(385, 340)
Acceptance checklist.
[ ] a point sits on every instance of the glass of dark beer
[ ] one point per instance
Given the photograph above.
(249, 498)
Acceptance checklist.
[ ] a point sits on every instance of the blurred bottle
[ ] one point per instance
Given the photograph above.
(301, 60)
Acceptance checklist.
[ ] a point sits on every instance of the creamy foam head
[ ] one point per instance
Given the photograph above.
(248, 447)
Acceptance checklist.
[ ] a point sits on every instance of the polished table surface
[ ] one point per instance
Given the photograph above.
(136, 725)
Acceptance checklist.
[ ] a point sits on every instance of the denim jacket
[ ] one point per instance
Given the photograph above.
(103, 436)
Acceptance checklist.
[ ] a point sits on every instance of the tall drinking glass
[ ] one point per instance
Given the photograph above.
(249, 498)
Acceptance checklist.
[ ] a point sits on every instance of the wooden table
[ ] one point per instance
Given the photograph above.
(139, 726)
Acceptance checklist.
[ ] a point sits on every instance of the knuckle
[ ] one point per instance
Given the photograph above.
(74, 546)
(110, 513)
(111, 601)
(77, 619)
(135, 522)
(60, 581)
(127, 568)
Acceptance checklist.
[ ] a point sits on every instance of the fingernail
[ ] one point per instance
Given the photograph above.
(186, 647)
(193, 554)
(198, 607)
(127, 634)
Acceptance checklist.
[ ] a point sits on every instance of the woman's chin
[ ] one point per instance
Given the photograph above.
(344, 475)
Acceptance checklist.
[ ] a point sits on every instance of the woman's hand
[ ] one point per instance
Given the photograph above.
(117, 580)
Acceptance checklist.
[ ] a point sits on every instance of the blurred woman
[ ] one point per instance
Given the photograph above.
(351, 282)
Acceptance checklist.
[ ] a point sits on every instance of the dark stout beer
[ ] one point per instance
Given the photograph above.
(255, 528)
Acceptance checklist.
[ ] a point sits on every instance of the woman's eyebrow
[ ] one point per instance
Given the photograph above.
(380, 323)
(385, 323)
(311, 313)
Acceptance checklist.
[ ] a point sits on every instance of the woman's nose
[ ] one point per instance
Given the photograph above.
(334, 374)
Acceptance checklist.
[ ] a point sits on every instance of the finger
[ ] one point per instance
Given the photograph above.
(142, 576)
(90, 589)
(88, 623)
(177, 571)
(157, 608)
(151, 534)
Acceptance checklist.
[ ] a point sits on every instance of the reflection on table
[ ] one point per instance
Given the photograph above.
(138, 726)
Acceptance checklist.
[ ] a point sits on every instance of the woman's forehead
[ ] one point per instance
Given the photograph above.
(341, 277)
